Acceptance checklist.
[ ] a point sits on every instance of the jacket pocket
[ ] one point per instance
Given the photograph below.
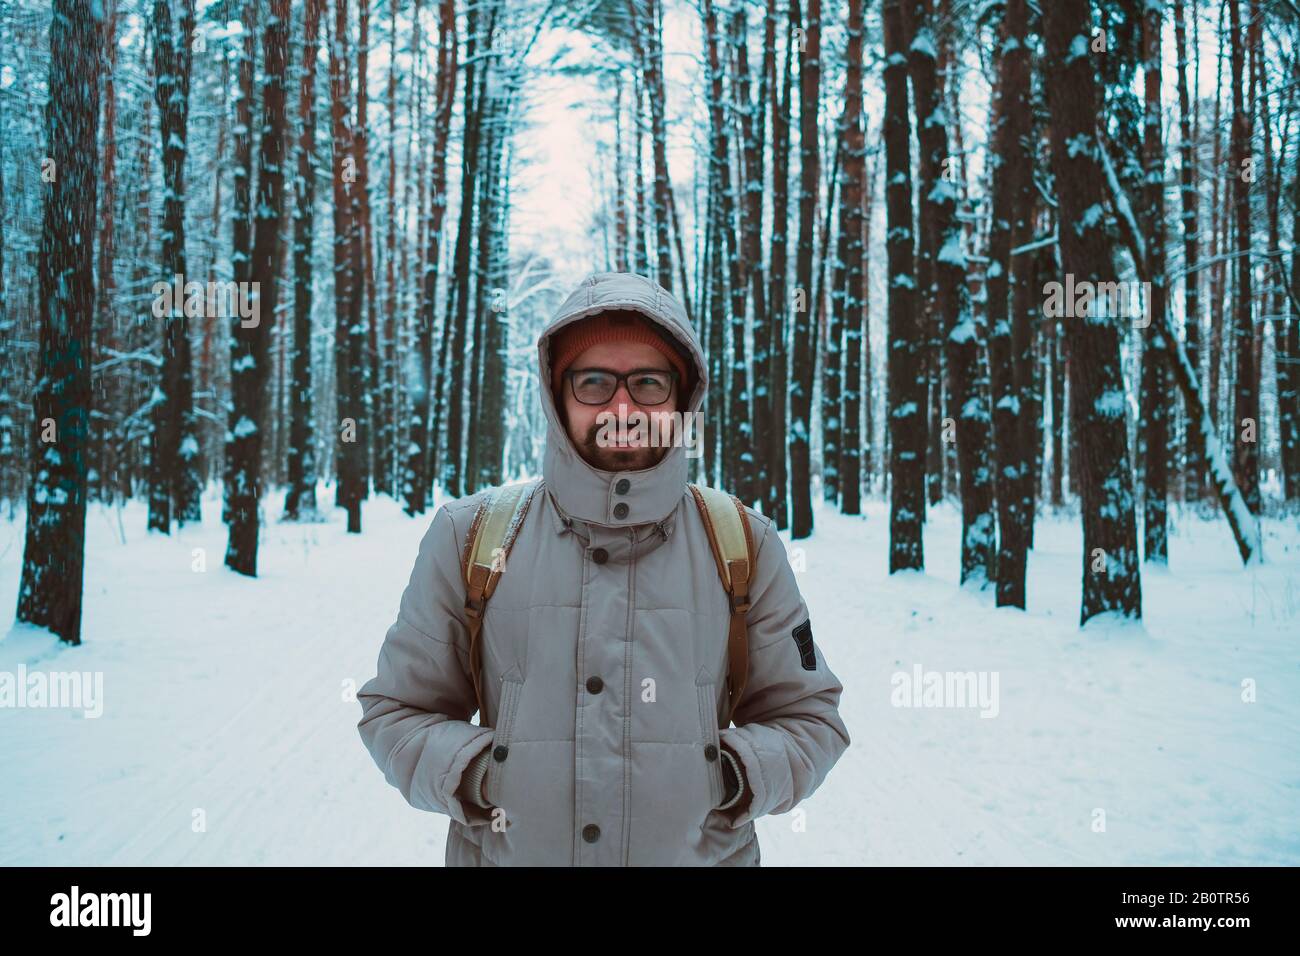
(511, 686)
(710, 739)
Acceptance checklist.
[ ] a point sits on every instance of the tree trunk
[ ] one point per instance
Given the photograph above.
(349, 335)
(249, 344)
(646, 31)
(1154, 421)
(906, 384)
(1245, 414)
(242, 227)
(778, 502)
(1111, 578)
(751, 261)
(966, 372)
(50, 589)
(475, 84)
(738, 457)
(851, 225)
(1194, 476)
(801, 524)
(302, 471)
(1012, 172)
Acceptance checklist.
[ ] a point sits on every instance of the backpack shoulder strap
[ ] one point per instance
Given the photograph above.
(496, 524)
(732, 540)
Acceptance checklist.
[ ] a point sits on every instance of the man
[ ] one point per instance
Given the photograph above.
(604, 647)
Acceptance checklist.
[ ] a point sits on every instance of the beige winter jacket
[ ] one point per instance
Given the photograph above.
(604, 666)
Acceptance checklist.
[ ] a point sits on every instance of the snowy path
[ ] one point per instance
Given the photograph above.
(225, 696)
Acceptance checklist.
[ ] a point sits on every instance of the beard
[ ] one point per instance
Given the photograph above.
(619, 457)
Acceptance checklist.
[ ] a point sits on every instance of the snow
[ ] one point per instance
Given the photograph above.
(1110, 404)
(244, 712)
(1093, 215)
(1079, 145)
(923, 44)
(963, 331)
(1078, 49)
(953, 251)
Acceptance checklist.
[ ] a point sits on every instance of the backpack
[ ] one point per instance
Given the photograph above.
(501, 514)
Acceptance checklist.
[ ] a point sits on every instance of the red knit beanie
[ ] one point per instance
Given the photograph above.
(614, 326)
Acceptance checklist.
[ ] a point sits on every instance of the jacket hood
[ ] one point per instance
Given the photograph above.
(578, 488)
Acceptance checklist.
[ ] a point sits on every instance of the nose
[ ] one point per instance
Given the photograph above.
(621, 394)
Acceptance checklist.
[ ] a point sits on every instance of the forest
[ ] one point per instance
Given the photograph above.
(1025, 259)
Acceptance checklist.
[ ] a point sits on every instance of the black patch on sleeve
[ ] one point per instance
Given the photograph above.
(804, 641)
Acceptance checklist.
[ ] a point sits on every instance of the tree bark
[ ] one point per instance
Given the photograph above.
(1245, 414)
(1154, 421)
(906, 427)
(302, 471)
(966, 372)
(1111, 577)
(778, 501)
(851, 226)
(801, 373)
(249, 345)
(50, 588)
(1012, 171)
(349, 334)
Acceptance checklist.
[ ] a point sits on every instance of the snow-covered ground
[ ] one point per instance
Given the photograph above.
(228, 733)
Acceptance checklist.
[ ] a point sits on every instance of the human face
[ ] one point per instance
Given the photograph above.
(584, 422)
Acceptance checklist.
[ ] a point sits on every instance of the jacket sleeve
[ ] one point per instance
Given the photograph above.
(788, 731)
(415, 711)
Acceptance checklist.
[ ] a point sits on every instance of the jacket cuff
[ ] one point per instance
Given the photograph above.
(475, 773)
(464, 811)
(760, 801)
(740, 780)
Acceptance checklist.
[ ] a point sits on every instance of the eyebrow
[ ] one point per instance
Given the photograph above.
(640, 368)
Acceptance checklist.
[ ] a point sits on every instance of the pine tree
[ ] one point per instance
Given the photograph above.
(250, 340)
(802, 358)
(50, 589)
(173, 446)
(906, 427)
(1012, 196)
(851, 227)
(1154, 423)
(1245, 404)
(966, 371)
(302, 472)
(349, 332)
(1099, 442)
(778, 499)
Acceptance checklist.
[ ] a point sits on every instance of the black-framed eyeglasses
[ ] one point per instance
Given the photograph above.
(596, 386)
